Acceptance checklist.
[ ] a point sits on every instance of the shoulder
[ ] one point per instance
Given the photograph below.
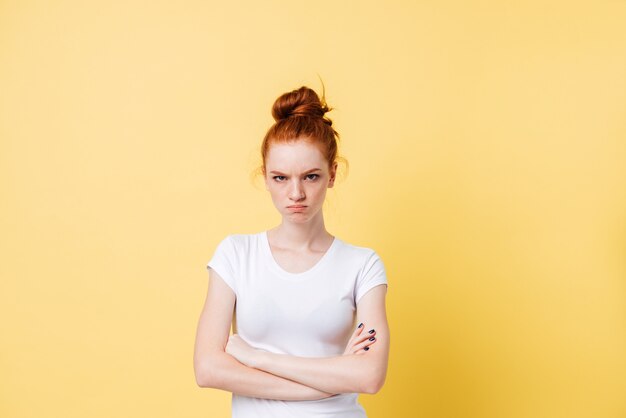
(239, 241)
(369, 268)
(361, 253)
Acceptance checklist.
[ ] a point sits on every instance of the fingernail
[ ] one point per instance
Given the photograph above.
(366, 348)
(371, 331)
(360, 325)
(372, 339)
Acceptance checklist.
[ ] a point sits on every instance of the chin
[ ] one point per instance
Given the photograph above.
(297, 217)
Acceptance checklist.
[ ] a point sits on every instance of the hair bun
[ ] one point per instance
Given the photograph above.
(301, 102)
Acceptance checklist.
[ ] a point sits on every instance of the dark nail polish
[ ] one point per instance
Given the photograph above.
(372, 339)
(371, 331)
(366, 348)
(360, 325)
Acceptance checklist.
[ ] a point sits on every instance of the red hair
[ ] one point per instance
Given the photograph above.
(299, 115)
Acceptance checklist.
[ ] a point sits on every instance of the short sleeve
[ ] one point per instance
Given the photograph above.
(372, 274)
(224, 262)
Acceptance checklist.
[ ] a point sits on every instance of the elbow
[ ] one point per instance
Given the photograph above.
(206, 373)
(374, 384)
(369, 389)
(373, 387)
(204, 378)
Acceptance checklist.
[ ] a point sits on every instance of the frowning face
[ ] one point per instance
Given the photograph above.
(297, 177)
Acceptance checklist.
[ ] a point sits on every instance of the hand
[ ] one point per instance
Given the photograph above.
(360, 341)
(241, 350)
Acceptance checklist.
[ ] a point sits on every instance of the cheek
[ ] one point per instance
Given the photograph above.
(276, 196)
(318, 192)
(273, 194)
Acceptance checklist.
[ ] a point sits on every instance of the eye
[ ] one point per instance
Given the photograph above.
(316, 176)
(276, 177)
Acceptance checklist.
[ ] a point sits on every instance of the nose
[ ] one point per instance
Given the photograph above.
(296, 192)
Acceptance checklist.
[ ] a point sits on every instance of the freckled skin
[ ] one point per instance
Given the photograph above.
(292, 185)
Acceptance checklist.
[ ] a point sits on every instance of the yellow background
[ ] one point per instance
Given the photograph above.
(487, 151)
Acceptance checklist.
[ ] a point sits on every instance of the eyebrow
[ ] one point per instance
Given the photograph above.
(308, 171)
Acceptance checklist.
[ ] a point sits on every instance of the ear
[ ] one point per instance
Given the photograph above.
(333, 174)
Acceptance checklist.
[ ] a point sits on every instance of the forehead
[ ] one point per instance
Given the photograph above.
(294, 156)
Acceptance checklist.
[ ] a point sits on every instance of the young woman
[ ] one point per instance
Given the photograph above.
(296, 292)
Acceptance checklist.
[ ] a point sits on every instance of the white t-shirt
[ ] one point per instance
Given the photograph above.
(308, 314)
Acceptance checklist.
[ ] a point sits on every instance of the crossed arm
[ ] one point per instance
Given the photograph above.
(229, 363)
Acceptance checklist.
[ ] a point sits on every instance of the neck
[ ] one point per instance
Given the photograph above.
(301, 236)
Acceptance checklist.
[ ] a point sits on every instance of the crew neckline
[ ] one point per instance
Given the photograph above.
(286, 274)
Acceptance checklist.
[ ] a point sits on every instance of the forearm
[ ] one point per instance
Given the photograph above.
(339, 374)
(226, 373)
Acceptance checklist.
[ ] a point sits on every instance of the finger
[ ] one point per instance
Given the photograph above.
(353, 337)
(358, 329)
(364, 337)
(366, 343)
(362, 345)
(357, 339)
